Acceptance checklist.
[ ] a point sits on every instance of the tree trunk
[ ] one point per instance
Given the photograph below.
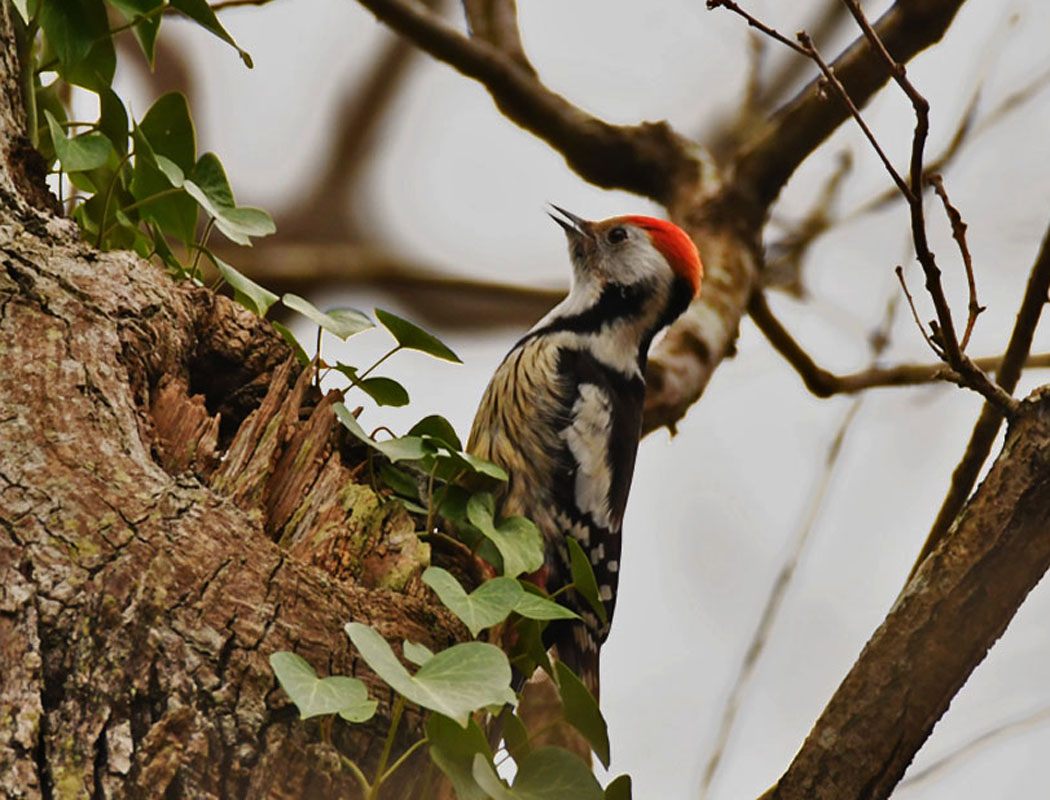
(155, 443)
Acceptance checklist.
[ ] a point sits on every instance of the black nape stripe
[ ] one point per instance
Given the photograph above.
(617, 301)
(681, 297)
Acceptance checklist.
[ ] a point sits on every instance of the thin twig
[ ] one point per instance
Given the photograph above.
(729, 5)
(944, 331)
(810, 50)
(823, 383)
(979, 742)
(915, 314)
(987, 426)
(766, 161)
(224, 4)
(959, 234)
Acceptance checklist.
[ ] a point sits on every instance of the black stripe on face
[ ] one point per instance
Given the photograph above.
(617, 301)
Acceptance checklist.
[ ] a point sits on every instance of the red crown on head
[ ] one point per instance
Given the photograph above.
(674, 245)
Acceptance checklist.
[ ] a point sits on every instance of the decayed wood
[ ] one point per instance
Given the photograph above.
(138, 605)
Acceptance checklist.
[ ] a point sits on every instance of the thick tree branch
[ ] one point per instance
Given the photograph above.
(650, 158)
(952, 611)
(765, 163)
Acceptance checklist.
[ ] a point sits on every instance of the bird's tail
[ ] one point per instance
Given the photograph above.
(578, 649)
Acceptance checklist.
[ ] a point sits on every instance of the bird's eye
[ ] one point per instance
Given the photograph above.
(617, 235)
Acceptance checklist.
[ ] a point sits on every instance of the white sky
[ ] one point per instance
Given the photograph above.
(713, 511)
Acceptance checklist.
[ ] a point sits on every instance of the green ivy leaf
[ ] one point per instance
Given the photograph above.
(315, 696)
(412, 337)
(456, 682)
(161, 249)
(170, 170)
(147, 27)
(480, 466)
(453, 748)
(289, 337)
(175, 214)
(515, 735)
(78, 33)
(518, 540)
(81, 153)
(404, 448)
(341, 322)
(532, 606)
(418, 654)
(583, 579)
(168, 128)
(208, 185)
(113, 119)
(619, 789)
(549, 773)
(439, 428)
(247, 292)
(385, 391)
(582, 712)
(201, 13)
(400, 482)
(488, 605)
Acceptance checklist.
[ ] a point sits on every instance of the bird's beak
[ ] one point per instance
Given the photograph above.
(572, 225)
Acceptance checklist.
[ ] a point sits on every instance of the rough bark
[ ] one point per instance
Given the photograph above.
(953, 610)
(155, 444)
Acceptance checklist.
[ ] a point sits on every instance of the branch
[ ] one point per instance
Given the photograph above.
(987, 426)
(967, 750)
(649, 159)
(325, 212)
(942, 339)
(765, 163)
(823, 383)
(496, 22)
(450, 302)
(972, 585)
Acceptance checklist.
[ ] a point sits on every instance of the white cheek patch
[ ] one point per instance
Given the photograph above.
(588, 441)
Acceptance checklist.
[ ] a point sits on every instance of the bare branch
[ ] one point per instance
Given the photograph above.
(436, 298)
(829, 75)
(496, 22)
(934, 346)
(959, 234)
(979, 742)
(946, 341)
(649, 159)
(823, 383)
(765, 163)
(757, 24)
(222, 5)
(987, 426)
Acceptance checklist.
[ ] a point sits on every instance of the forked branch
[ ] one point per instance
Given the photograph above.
(649, 159)
(824, 383)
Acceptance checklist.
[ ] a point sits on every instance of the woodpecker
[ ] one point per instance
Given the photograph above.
(563, 412)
